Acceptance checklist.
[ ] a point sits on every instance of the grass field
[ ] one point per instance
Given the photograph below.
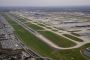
(73, 37)
(41, 24)
(43, 49)
(44, 26)
(75, 34)
(33, 26)
(59, 40)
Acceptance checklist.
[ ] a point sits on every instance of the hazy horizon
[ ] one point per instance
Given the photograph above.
(43, 3)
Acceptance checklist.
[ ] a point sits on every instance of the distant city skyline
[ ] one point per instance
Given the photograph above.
(42, 3)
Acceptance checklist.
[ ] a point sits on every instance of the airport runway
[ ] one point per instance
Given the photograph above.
(42, 38)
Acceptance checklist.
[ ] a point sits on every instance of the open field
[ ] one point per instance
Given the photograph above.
(33, 26)
(43, 49)
(73, 37)
(75, 34)
(59, 40)
(41, 24)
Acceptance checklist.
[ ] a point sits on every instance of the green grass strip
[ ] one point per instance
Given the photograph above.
(35, 27)
(73, 37)
(59, 40)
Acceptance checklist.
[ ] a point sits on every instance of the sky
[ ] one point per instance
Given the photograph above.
(44, 3)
